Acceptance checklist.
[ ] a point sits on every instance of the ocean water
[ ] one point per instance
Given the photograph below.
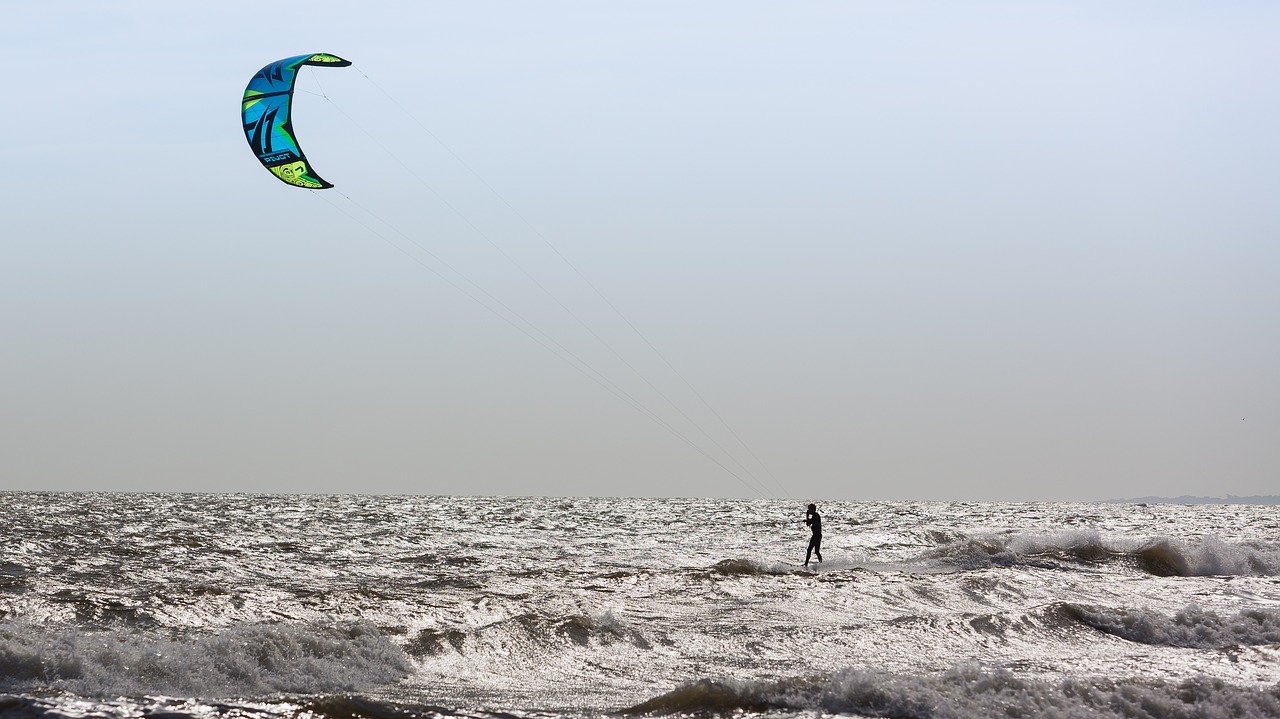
(171, 605)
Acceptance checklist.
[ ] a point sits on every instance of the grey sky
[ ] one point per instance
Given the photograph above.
(906, 250)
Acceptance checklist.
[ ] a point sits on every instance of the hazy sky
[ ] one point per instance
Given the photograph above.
(986, 250)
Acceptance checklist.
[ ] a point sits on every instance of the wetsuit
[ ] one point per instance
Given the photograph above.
(814, 520)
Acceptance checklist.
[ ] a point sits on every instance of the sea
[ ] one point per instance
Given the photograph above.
(300, 606)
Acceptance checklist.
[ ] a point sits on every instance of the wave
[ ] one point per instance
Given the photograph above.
(1191, 627)
(543, 631)
(752, 567)
(1160, 556)
(244, 660)
(13, 576)
(1209, 556)
(760, 567)
(969, 691)
(336, 706)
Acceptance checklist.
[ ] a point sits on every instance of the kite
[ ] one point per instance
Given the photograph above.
(265, 110)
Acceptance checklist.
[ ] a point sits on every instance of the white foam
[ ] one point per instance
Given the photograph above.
(1204, 556)
(753, 566)
(1191, 627)
(249, 659)
(971, 690)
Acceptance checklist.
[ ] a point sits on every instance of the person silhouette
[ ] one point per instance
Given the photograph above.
(814, 520)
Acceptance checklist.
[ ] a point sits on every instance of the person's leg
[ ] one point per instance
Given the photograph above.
(817, 547)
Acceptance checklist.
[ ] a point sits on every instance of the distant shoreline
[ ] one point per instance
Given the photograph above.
(1188, 499)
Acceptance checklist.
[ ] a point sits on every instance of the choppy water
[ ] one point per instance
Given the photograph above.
(339, 606)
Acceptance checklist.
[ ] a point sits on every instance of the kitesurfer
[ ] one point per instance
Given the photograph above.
(814, 520)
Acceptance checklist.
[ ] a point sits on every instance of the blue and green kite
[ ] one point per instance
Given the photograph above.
(265, 110)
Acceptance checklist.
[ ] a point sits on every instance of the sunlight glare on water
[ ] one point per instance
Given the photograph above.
(281, 605)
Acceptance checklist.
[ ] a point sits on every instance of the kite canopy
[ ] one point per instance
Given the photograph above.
(265, 110)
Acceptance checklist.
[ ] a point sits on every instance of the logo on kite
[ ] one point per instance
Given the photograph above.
(265, 110)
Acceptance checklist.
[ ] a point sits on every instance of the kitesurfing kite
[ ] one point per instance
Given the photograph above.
(265, 110)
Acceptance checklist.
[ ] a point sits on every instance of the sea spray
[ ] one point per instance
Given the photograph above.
(967, 691)
(242, 660)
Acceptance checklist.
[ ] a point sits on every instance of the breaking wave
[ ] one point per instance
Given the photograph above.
(751, 567)
(545, 632)
(243, 660)
(335, 706)
(969, 691)
(1191, 627)
(1161, 556)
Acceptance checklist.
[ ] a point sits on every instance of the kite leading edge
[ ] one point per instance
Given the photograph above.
(268, 100)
